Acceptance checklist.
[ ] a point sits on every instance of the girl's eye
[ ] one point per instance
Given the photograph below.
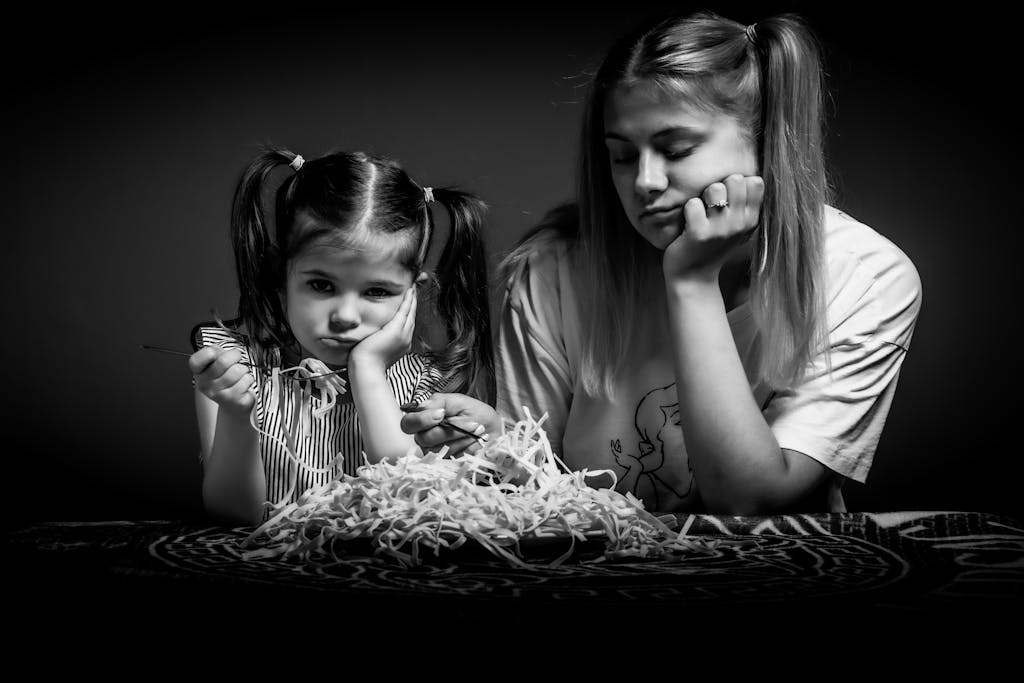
(321, 286)
(378, 293)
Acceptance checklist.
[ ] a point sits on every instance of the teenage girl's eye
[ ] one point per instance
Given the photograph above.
(679, 153)
(622, 158)
(378, 293)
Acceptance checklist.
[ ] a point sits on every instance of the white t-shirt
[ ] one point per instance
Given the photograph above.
(873, 299)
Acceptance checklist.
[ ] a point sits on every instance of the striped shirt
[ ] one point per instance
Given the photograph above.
(329, 435)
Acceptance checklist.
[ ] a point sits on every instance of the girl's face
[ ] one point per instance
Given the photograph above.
(663, 153)
(335, 298)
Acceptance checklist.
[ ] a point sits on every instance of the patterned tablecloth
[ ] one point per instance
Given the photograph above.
(923, 564)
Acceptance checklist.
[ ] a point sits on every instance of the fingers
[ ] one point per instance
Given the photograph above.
(221, 375)
(736, 191)
(732, 205)
(240, 393)
(755, 197)
(433, 440)
(695, 215)
(410, 317)
(418, 423)
(716, 198)
(201, 359)
(465, 412)
(407, 305)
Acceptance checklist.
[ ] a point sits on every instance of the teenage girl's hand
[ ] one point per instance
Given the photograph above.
(458, 409)
(711, 233)
(391, 342)
(222, 378)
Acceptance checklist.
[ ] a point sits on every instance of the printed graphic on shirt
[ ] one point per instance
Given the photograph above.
(658, 438)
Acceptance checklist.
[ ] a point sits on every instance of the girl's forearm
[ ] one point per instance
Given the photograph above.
(379, 414)
(234, 483)
(736, 459)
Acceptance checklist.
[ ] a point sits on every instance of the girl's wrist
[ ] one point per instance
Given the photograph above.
(237, 414)
(365, 367)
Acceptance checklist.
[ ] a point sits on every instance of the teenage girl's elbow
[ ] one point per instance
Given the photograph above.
(758, 498)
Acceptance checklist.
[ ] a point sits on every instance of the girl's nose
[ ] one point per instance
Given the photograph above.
(344, 314)
(650, 175)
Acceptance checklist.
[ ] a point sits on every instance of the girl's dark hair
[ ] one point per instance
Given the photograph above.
(359, 201)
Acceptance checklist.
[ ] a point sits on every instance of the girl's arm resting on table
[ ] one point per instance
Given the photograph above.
(378, 412)
(736, 460)
(234, 483)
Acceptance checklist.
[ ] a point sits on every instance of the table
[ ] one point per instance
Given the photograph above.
(903, 564)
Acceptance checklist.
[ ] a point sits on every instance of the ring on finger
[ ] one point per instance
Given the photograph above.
(719, 204)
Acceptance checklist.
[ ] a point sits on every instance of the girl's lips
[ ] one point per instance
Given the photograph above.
(333, 343)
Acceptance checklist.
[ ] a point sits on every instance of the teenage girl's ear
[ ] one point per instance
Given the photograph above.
(421, 279)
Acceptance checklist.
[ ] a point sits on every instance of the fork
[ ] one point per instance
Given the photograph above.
(176, 352)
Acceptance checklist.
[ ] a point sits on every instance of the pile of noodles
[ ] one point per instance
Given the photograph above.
(513, 490)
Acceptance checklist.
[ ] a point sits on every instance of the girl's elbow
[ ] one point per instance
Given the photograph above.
(247, 513)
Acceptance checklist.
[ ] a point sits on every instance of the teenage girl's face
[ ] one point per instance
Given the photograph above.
(335, 298)
(663, 153)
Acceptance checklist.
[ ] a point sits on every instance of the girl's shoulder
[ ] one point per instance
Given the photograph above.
(226, 334)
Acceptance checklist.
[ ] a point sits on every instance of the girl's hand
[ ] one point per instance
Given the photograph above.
(222, 378)
(711, 233)
(391, 342)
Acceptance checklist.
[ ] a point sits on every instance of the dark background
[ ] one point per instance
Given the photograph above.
(128, 133)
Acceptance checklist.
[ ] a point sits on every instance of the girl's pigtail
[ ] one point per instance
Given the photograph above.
(463, 299)
(256, 258)
(789, 261)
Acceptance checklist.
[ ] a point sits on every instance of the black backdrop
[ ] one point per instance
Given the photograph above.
(129, 131)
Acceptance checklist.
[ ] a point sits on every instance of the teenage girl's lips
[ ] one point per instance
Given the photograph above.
(661, 215)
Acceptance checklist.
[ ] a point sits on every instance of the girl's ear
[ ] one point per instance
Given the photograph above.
(421, 278)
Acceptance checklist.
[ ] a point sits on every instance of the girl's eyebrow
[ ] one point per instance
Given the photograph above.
(672, 131)
(385, 283)
(318, 272)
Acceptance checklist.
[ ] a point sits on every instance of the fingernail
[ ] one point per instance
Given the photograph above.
(437, 415)
(480, 429)
(410, 407)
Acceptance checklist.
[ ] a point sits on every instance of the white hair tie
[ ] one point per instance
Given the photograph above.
(297, 163)
(428, 194)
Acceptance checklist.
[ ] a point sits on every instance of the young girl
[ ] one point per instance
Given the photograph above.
(312, 373)
(702, 321)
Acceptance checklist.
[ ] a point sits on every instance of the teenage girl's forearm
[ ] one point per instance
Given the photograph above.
(234, 483)
(736, 459)
(378, 413)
